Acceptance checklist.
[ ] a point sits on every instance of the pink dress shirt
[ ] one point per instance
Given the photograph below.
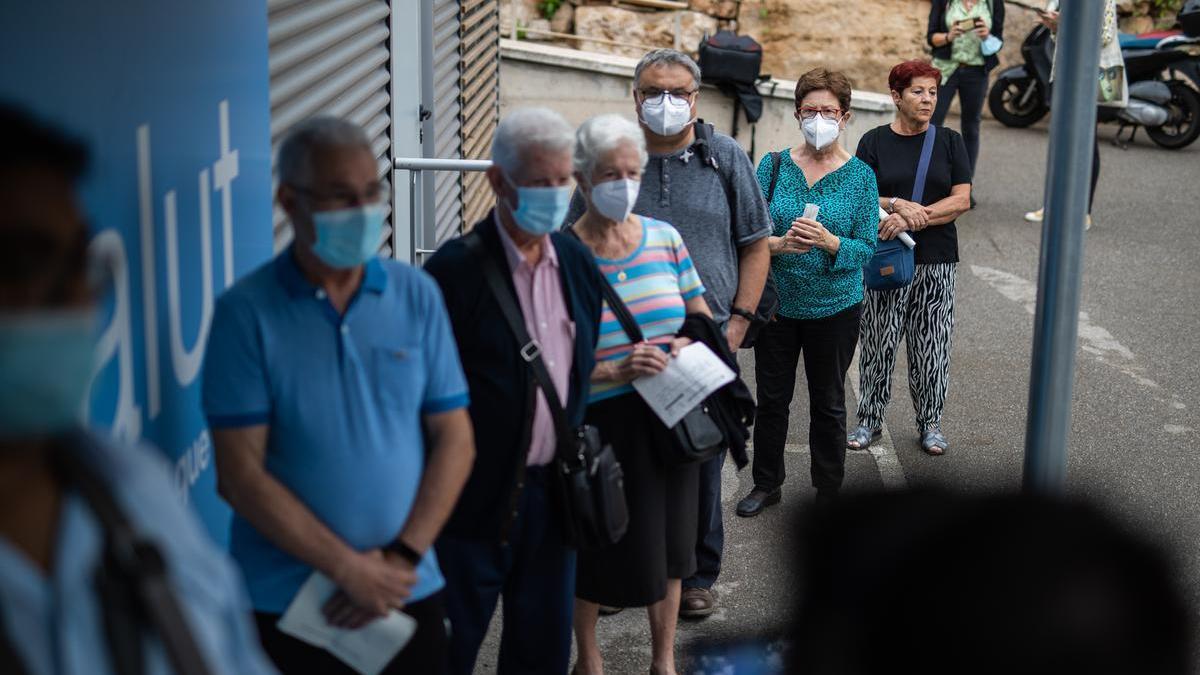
(544, 306)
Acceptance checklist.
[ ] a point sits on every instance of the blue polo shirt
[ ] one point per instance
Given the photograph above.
(344, 398)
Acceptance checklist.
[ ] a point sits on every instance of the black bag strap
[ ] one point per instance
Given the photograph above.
(703, 149)
(616, 304)
(776, 160)
(531, 351)
(134, 565)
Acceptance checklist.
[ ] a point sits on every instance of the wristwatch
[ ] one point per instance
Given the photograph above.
(744, 313)
(892, 204)
(404, 551)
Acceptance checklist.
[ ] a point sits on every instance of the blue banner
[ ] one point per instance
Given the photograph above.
(172, 98)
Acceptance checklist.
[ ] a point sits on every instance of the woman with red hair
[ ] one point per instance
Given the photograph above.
(923, 312)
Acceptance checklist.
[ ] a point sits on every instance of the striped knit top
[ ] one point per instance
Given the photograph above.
(654, 282)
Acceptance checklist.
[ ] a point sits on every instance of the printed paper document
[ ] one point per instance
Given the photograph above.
(366, 650)
(687, 380)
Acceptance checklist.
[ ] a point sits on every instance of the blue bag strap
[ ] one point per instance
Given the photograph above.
(918, 192)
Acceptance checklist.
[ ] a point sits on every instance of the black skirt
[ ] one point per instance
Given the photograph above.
(663, 502)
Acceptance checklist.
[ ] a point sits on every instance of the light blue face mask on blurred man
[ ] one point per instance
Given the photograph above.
(541, 210)
(45, 367)
(348, 237)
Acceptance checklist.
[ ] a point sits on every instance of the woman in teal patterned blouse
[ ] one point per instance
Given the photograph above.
(817, 267)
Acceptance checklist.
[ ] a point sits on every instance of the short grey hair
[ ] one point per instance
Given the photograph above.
(298, 147)
(602, 134)
(527, 128)
(666, 57)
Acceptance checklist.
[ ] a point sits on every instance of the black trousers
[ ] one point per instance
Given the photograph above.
(971, 84)
(424, 653)
(827, 346)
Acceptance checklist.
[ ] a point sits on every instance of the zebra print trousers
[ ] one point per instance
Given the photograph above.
(923, 314)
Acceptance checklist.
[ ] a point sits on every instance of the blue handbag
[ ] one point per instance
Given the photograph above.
(893, 265)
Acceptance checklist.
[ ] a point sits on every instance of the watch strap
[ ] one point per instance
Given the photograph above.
(404, 551)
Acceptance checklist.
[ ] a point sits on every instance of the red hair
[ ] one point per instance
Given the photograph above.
(903, 74)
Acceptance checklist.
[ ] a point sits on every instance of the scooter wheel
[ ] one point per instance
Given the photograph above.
(1014, 105)
(1183, 126)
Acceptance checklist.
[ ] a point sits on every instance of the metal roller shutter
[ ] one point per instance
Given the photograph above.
(479, 85)
(330, 57)
(461, 94)
(442, 137)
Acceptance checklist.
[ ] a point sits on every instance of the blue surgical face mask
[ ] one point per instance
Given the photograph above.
(45, 367)
(348, 237)
(540, 210)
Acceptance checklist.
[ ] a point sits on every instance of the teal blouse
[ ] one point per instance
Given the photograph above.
(816, 284)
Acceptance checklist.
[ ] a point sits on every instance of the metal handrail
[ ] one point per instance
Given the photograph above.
(417, 165)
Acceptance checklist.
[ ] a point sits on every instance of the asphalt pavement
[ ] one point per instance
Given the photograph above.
(1133, 445)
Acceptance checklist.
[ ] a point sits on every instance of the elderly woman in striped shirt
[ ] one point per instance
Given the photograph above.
(647, 263)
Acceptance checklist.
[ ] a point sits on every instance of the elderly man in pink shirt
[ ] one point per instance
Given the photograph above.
(505, 538)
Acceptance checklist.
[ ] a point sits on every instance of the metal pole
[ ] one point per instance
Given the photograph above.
(1056, 325)
(412, 217)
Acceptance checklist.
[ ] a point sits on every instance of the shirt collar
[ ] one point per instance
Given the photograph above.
(514, 255)
(293, 280)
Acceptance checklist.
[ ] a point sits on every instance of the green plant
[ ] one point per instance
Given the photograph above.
(549, 7)
(1164, 8)
(521, 34)
(763, 13)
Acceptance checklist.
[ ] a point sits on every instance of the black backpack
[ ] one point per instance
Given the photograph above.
(733, 64)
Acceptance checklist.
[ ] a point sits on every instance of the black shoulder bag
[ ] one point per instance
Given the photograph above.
(696, 437)
(591, 484)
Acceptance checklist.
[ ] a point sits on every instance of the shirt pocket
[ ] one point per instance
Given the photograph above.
(399, 376)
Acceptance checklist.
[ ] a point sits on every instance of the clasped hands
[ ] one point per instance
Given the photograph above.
(906, 216)
(803, 236)
(370, 585)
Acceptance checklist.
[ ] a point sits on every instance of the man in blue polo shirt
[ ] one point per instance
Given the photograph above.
(338, 409)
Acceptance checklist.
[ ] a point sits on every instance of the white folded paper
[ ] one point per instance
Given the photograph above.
(366, 650)
(687, 380)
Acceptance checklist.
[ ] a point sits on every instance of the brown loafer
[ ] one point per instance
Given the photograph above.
(697, 603)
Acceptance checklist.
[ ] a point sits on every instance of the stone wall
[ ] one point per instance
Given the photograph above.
(863, 38)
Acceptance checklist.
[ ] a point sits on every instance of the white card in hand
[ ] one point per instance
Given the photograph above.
(366, 650)
(687, 380)
(811, 211)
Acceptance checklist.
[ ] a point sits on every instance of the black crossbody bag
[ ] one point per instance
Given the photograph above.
(696, 437)
(588, 481)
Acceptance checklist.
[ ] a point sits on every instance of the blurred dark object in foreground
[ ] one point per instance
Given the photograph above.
(932, 584)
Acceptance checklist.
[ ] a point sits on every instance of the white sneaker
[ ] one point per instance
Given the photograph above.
(1035, 216)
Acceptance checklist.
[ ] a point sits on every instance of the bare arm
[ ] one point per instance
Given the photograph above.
(950, 208)
(451, 455)
(754, 262)
(272, 509)
(242, 479)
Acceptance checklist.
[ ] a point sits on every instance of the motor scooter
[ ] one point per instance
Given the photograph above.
(1163, 81)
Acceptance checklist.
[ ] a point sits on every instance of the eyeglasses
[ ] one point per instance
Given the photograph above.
(654, 95)
(827, 113)
(344, 198)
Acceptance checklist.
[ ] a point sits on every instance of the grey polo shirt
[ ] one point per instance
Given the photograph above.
(690, 195)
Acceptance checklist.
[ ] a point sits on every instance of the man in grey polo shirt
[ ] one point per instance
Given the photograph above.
(719, 210)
